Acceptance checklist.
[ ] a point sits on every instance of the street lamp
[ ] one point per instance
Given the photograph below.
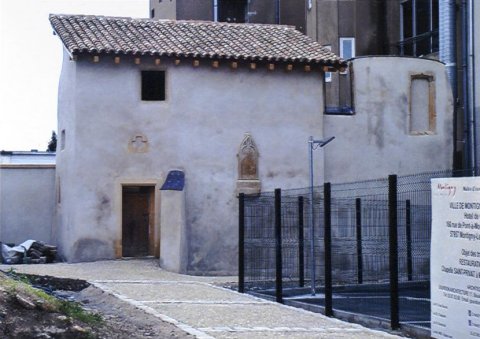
(313, 145)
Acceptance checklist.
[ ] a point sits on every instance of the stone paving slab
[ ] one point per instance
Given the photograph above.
(247, 316)
(198, 305)
(175, 291)
(294, 335)
(127, 269)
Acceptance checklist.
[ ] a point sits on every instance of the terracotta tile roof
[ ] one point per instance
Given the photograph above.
(199, 39)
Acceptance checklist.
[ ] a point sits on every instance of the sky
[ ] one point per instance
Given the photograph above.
(30, 65)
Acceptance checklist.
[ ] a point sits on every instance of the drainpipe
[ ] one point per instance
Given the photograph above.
(472, 85)
(215, 10)
(447, 52)
(467, 132)
(277, 12)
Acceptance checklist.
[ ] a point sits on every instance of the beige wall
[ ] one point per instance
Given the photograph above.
(197, 129)
(376, 141)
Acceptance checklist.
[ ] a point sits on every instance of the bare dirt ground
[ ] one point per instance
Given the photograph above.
(27, 313)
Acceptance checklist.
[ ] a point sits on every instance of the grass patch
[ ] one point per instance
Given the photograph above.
(73, 310)
(21, 286)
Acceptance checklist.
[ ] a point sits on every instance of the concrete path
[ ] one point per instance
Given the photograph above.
(199, 305)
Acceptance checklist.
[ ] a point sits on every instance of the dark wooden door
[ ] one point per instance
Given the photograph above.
(136, 221)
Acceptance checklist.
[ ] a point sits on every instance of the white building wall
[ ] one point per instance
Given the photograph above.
(27, 202)
(376, 141)
(197, 129)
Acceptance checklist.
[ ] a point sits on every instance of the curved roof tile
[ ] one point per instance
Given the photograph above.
(200, 39)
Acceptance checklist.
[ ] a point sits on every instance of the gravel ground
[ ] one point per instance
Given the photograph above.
(127, 320)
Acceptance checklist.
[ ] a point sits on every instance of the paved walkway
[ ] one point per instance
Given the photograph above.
(198, 305)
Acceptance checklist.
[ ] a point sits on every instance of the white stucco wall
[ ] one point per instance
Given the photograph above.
(375, 141)
(27, 158)
(27, 202)
(197, 129)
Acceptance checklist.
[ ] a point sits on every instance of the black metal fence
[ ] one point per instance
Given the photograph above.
(365, 249)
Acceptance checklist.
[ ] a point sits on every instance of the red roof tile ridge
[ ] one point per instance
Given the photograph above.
(183, 38)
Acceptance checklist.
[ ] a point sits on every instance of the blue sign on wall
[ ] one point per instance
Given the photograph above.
(175, 181)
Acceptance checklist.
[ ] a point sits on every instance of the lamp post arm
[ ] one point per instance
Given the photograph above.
(312, 145)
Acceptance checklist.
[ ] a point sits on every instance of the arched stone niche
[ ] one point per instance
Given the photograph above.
(248, 180)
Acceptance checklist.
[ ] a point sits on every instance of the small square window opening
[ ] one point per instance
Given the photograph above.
(153, 85)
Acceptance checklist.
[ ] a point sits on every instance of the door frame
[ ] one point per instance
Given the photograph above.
(154, 210)
(146, 194)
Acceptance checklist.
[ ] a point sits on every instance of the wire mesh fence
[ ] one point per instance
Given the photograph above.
(360, 247)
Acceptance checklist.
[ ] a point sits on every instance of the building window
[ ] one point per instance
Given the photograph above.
(339, 94)
(230, 10)
(152, 13)
(422, 105)
(338, 87)
(347, 49)
(328, 75)
(419, 27)
(153, 85)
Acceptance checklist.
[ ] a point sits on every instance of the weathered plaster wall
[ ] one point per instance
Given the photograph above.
(27, 202)
(197, 129)
(375, 141)
(174, 250)
(65, 176)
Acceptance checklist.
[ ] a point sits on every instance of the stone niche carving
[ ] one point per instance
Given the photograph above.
(248, 180)
(138, 144)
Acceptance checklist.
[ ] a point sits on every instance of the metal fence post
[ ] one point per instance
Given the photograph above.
(241, 242)
(278, 247)
(328, 248)
(301, 248)
(408, 230)
(393, 249)
(358, 217)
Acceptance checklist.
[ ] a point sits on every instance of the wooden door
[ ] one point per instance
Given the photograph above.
(137, 221)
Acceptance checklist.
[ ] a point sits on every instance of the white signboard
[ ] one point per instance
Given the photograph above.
(455, 258)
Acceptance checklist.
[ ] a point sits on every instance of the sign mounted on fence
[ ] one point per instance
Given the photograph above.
(455, 258)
